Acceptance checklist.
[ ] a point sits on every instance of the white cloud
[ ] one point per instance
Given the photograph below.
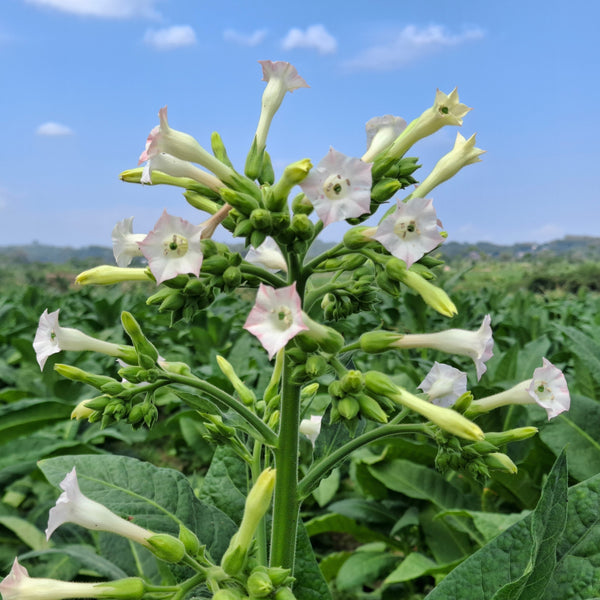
(53, 129)
(169, 38)
(118, 9)
(245, 39)
(409, 45)
(315, 37)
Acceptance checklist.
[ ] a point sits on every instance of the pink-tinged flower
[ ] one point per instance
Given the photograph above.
(444, 384)
(169, 165)
(51, 338)
(73, 506)
(281, 77)
(548, 389)
(339, 187)
(464, 153)
(17, 585)
(381, 132)
(311, 428)
(125, 242)
(183, 146)
(410, 231)
(475, 344)
(267, 255)
(276, 317)
(173, 247)
(446, 110)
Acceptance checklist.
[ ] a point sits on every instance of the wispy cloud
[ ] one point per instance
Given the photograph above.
(316, 37)
(410, 45)
(53, 129)
(108, 9)
(170, 38)
(245, 39)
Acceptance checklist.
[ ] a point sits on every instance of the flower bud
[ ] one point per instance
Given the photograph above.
(499, 438)
(500, 462)
(253, 165)
(189, 540)
(315, 365)
(293, 174)
(261, 219)
(301, 205)
(131, 588)
(76, 374)
(82, 411)
(384, 189)
(166, 547)
(284, 593)
(267, 175)
(327, 338)
(227, 594)
(370, 409)
(232, 277)
(355, 238)
(246, 394)
(259, 584)
(302, 226)
(352, 382)
(245, 203)
(108, 274)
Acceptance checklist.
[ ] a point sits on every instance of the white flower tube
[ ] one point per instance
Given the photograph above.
(381, 132)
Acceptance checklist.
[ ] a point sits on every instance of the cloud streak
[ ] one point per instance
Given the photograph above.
(315, 37)
(170, 38)
(107, 9)
(410, 45)
(245, 39)
(53, 129)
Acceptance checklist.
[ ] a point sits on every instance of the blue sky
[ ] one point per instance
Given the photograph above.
(82, 82)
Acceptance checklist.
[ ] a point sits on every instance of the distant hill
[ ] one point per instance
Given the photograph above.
(572, 247)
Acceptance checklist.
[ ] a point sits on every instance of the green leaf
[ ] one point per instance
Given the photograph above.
(331, 564)
(516, 565)
(577, 431)
(25, 416)
(417, 481)
(363, 568)
(488, 524)
(25, 531)
(413, 566)
(586, 348)
(327, 488)
(310, 583)
(158, 499)
(339, 524)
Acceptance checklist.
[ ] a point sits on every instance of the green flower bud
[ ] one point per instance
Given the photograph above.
(172, 302)
(189, 540)
(261, 219)
(281, 220)
(335, 389)
(302, 226)
(253, 165)
(309, 391)
(98, 403)
(315, 365)
(227, 594)
(178, 282)
(214, 265)
(500, 462)
(243, 229)
(218, 148)
(384, 189)
(352, 382)
(166, 547)
(259, 584)
(257, 238)
(370, 409)
(195, 287)
(159, 296)
(267, 175)
(348, 407)
(499, 438)
(136, 414)
(381, 384)
(199, 201)
(327, 338)
(284, 593)
(301, 205)
(243, 202)
(109, 274)
(292, 175)
(232, 277)
(246, 394)
(463, 402)
(76, 374)
(355, 238)
(234, 558)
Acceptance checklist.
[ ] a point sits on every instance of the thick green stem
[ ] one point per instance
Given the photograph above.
(321, 468)
(266, 433)
(286, 505)
(261, 531)
(318, 293)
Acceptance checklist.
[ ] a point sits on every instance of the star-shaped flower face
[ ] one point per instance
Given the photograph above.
(276, 317)
(449, 108)
(549, 389)
(45, 342)
(339, 187)
(444, 384)
(173, 247)
(125, 242)
(381, 132)
(283, 72)
(410, 231)
(267, 255)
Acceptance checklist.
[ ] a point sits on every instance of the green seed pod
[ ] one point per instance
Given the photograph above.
(335, 389)
(196, 287)
(166, 547)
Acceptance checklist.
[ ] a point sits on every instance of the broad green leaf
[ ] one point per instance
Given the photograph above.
(413, 566)
(518, 563)
(417, 481)
(446, 542)
(331, 523)
(327, 488)
(25, 416)
(25, 531)
(363, 568)
(158, 499)
(331, 564)
(577, 431)
(363, 510)
(586, 348)
(488, 524)
(530, 357)
(225, 483)
(310, 583)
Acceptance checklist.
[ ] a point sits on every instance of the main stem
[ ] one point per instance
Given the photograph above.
(286, 505)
